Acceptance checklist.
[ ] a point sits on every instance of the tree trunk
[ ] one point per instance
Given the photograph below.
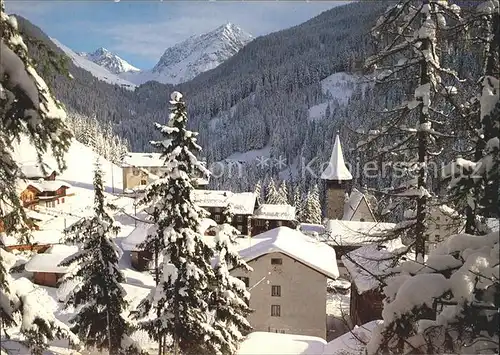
(420, 227)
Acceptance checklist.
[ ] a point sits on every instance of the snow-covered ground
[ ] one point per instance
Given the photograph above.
(336, 87)
(79, 173)
(96, 70)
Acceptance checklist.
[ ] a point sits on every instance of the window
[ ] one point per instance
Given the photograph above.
(279, 223)
(217, 218)
(245, 279)
(217, 210)
(275, 310)
(276, 261)
(361, 219)
(239, 218)
(144, 182)
(62, 200)
(276, 291)
(240, 228)
(259, 222)
(135, 172)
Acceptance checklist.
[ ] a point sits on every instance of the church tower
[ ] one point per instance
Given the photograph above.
(336, 176)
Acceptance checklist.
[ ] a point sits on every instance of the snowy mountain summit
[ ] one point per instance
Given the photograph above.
(197, 54)
(110, 61)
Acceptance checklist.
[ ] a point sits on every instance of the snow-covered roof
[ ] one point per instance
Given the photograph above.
(38, 216)
(352, 204)
(296, 245)
(33, 170)
(336, 169)
(50, 260)
(49, 185)
(365, 264)
(267, 343)
(242, 202)
(310, 228)
(279, 212)
(353, 342)
(448, 211)
(138, 235)
(352, 233)
(143, 160)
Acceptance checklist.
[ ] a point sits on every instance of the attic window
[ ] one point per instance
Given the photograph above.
(361, 219)
(276, 261)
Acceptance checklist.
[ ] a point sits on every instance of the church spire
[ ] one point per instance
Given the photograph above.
(336, 169)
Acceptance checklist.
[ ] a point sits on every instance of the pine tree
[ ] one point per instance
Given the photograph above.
(282, 194)
(229, 297)
(258, 191)
(99, 322)
(178, 306)
(27, 109)
(474, 186)
(410, 61)
(272, 193)
(312, 207)
(298, 203)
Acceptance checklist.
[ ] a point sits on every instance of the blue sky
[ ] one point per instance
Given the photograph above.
(140, 31)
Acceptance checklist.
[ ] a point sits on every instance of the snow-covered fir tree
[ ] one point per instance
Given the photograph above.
(97, 292)
(311, 210)
(283, 194)
(178, 307)
(447, 305)
(474, 183)
(22, 305)
(408, 136)
(258, 191)
(229, 296)
(271, 193)
(27, 110)
(449, 302)
(98, 136)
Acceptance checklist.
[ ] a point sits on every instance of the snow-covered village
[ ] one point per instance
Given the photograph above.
(249, 178)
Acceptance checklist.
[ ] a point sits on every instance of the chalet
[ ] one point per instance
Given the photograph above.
(364, 265)
(312, 230)
(288, 268)
(242, 204)
(48, 193)
(37, 171)
(141, 259)
(268, 217)
(346, 236)
(140, 169)
(45, 267)
(443, 222)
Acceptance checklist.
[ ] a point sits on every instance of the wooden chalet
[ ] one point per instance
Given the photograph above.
(48, 193)
(364, 266)
(142, 260)
(45, 266)
(38, 171)
(268, 217)
(243, 205)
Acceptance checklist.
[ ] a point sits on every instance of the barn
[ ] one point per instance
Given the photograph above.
(366, 265)
(45, 267)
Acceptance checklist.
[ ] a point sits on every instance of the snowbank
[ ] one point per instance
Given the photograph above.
(264, 343)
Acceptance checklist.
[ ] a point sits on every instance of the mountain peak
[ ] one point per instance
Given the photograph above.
(110, 61)
(200, 53)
